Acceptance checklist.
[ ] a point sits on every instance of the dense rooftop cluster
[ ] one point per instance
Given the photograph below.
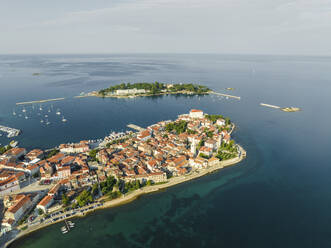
(168, 148)
(78, 173)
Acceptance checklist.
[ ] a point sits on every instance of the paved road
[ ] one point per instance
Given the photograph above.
(34, 187)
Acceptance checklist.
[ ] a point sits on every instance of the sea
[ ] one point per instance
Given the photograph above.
(279, 196)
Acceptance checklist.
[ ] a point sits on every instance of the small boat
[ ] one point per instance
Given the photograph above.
(63, 119)
(13, 143)
(26, 117)
(40, 108)
(41, 121)
(14, 113)
(71, 224)
(46, 116)
(58, 112)
(64, 232)
(47, 122)
(23, 110)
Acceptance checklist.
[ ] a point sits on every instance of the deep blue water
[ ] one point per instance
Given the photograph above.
(278, 197)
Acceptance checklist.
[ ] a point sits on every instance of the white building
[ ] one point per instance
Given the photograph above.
(193, 148)
(9, 185)
(45, 203)
(195, 113)
(220, 122)
(130, 91)
(16, 211)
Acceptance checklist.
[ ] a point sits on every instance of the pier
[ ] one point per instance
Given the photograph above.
(135, 127)
(226, 95)
(269, 106)
(12, 132)
(40, 101)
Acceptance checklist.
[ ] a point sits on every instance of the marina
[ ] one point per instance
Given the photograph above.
(11, 132)
(68, 226)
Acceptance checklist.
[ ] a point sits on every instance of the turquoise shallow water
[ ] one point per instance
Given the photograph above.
(277, 197)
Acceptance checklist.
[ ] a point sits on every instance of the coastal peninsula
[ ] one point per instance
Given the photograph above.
(45, 187)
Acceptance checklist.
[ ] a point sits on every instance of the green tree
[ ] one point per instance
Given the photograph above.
(40, 211)
(52, 153)
(149, 183)
(95, 189)
(65, 200)
(93, 154)
(84, 198)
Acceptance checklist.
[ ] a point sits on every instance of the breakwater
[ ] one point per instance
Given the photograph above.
(135, 127)
(40, 101)
(269, 106)
(225, 95)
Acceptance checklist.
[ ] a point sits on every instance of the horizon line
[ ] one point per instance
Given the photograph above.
(174, 53)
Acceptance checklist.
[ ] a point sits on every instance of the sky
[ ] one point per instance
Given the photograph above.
(292, 27)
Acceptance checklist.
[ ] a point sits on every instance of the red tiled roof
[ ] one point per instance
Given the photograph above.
(13, 209)
(45, 200)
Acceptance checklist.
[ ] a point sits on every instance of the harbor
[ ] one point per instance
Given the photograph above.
(45, 113)
(11, 132)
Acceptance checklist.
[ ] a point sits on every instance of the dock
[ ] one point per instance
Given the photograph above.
(135, 127)
(11, 132)
(226, 95)
(40, 101)
(269, 106)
